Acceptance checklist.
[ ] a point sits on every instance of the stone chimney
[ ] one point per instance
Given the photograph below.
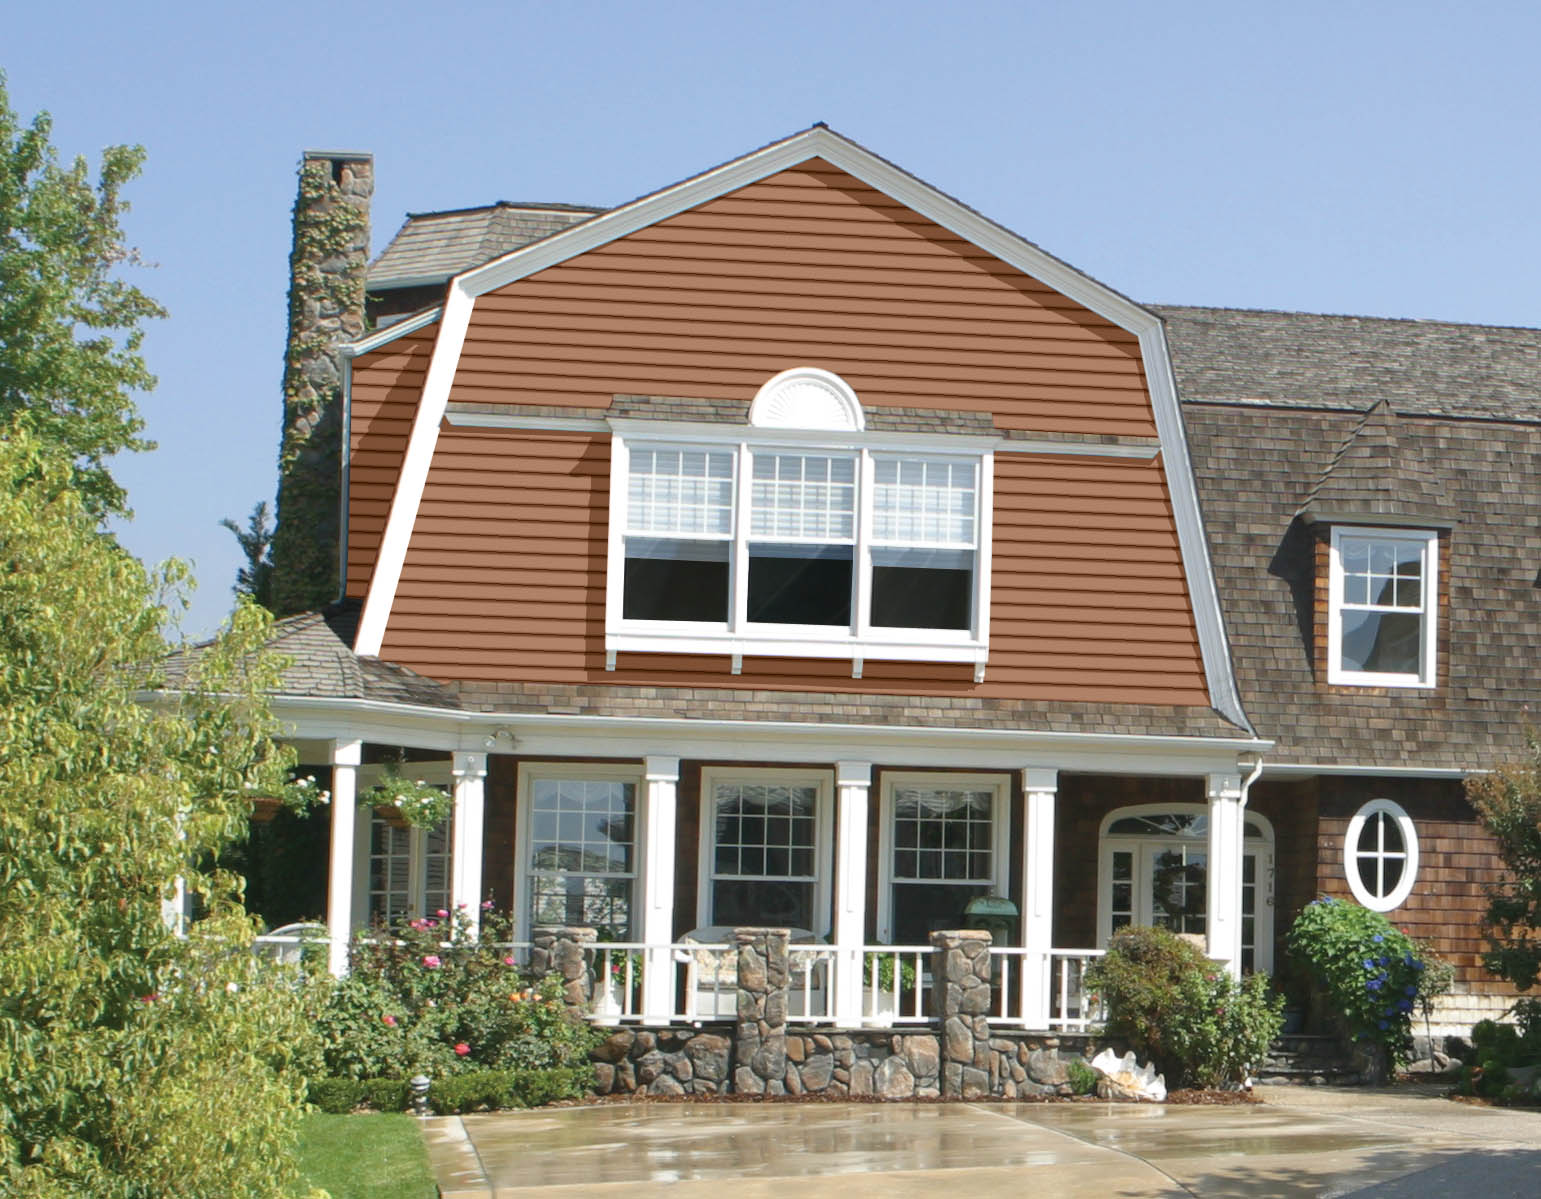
(327, 274)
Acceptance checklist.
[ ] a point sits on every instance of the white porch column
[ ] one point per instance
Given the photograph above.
(853, 781)
(470, 773)
(1223, 921)
(662, 776)
(346, 756)
(1039, 787)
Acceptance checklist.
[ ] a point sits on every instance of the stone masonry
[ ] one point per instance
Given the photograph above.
(760, 1054)
(960, 996)
(569, 953)
(327, 273)
(760, 1040)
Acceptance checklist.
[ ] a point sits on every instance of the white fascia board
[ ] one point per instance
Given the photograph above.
(788, 741)
(408, 495)
(1303, 769)
(552, 735)
(1204, 596)
(381, 337)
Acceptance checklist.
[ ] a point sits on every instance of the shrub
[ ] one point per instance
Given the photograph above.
(428, 999)
(1368, 968)
(1177, 1008)
(507, 1088)
(1083, 1079)
(336, 1096)
(1499, 1048)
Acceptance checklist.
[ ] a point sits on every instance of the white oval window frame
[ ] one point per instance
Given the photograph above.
(1398, 894)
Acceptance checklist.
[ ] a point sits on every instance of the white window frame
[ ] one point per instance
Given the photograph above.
(437, 774)
(1000, 832)
(1261, 848)
(1351, 864)
(609, 772)
(1426, 676)
(736, 637)
(823, 853)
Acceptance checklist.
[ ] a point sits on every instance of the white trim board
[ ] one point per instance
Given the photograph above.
(921, 197)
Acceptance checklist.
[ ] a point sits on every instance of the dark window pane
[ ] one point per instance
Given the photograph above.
(800, 584)
(1389, 830)
(1393, 876)
(922, 589)
(742, 901)
(1382, 642)
(675, 580)
(921, 909)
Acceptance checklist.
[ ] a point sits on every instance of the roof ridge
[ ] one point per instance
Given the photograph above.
(1439, 322)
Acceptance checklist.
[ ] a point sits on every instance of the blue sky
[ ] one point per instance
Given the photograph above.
(1370, 158)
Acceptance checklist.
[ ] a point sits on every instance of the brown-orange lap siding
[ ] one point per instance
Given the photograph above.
(385, 389)
(505, 580)
(809, 266)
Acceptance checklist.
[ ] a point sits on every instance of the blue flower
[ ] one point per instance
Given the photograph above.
(1409, 959)
(1377, 938)
(1383, 961)
(1410, 991)
(1372, 985)
(1406, 1005)
(1417, 965)
(1383, 1024)
(1369, 965)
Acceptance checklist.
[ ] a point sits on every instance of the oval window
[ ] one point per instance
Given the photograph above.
(1380, 855)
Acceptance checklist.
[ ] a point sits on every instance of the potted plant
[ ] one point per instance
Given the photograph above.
(408, 803)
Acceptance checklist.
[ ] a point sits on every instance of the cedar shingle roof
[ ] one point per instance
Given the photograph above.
(322, 664)
(1378, 478)
(1427, 368)
(1463, 404)
(432, 246)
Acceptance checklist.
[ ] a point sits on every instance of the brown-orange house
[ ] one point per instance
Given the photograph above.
(791, 546)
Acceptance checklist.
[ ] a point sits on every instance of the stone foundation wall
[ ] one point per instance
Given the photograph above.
(759, 1053)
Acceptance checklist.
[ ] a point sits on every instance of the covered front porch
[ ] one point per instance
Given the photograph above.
(664, 835)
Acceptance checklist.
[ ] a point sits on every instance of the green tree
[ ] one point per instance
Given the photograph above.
(133, 1063)
(69, 328)
(1508, 799)
(255, 579)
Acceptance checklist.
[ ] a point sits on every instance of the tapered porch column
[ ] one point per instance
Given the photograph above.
(1039, 788)
(1223, 917)
(470, 773)
(853, 780)
(662, 776)
(346, 756)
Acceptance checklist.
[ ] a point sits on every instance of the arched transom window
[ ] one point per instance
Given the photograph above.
(1154, 870)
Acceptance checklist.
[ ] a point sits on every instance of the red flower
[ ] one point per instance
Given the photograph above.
(432, 961)
(442, 914)
(388, 1020)
(462, 1048)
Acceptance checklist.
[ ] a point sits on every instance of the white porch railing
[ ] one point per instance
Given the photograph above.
(1071, 1006)
(1028, 995)
(810, 984)
(887, 998)
(705, 983)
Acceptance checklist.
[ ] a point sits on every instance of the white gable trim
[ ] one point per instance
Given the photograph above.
(408, 495)
(915, 194)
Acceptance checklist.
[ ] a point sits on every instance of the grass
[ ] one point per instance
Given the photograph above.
(371, 1156)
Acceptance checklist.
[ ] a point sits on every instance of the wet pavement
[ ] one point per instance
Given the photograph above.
(1382, 1144)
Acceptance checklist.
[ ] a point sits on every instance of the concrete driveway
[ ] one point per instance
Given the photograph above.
(1381, 1144)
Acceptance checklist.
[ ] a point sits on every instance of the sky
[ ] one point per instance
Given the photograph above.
(1368, 158)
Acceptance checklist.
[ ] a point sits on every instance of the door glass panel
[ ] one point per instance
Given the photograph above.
(1178, 893)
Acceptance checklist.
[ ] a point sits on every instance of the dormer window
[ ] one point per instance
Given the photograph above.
(801, 535)
(1382, 592)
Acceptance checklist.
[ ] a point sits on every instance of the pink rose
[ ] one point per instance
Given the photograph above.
(388, 1020)
(442, 914)
(431, 960)
(509, 960)
(486, 905)
(462, 1049)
